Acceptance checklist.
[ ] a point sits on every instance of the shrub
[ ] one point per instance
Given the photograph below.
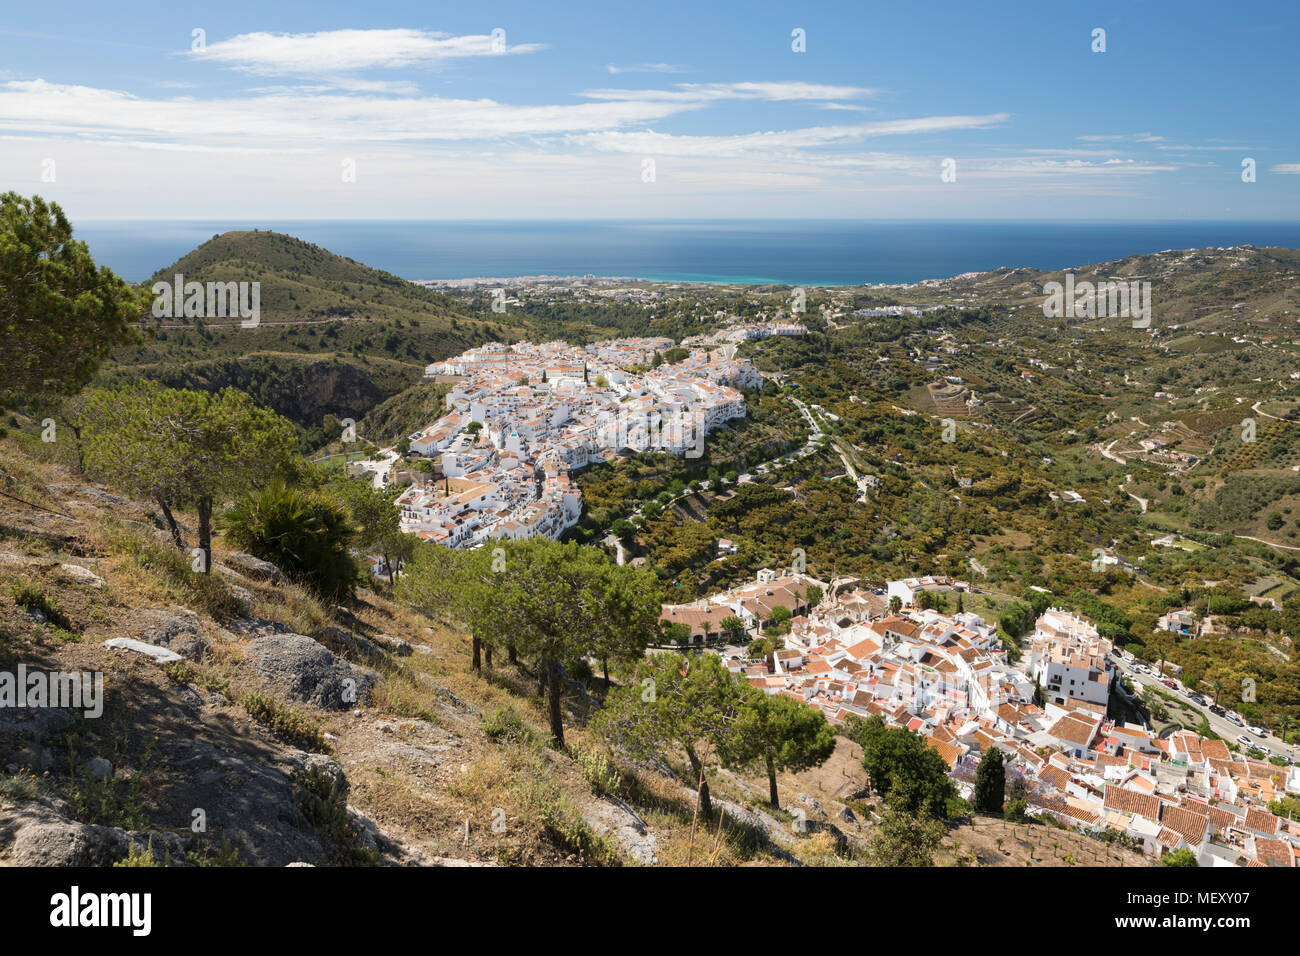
(324, 801)
(227, 854)
(504, 723)
(18, 788)
(598, 773)
(34, 599)
(304, 534)
(292, 725)
(571, 830)
(111, 802)
(139, 855)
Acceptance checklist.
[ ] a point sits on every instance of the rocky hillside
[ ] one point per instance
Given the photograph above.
(245, 723)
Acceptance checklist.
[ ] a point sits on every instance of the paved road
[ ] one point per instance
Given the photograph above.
(1224, 728)
(1140, 501)
(1271, 544)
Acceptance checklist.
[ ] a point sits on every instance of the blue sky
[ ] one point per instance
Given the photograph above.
(664, 110)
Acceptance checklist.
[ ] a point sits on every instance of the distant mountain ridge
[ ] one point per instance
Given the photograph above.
(1244, 286)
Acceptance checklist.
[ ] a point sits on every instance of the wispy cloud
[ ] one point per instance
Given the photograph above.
(650, 143)
(1286, 169)
(711, 92)
(338, 51)
(1181, 148)
(1122, 138)
(647, 68)
(302, 117)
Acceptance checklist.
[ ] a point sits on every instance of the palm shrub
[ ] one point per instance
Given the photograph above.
(303, 533)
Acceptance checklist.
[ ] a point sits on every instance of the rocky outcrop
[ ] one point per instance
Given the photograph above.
(37, 835)
(303, 392)
(297, 668)
(176, 629)
(253, 567)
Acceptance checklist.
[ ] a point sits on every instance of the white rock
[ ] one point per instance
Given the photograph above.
(160, 654)
(82, 575)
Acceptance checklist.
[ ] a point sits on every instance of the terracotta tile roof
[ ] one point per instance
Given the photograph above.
(1055, 776)
(948, 752)
(1274, 852)
(1189, 824)
(1077, 812)
(1261, 820)
(1132, 801)
(1074, 730)
(1169, 838)
(1216, 749)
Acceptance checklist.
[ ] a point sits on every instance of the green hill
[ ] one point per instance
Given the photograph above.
(325, 320)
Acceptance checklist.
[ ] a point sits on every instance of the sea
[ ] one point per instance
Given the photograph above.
(795, 252)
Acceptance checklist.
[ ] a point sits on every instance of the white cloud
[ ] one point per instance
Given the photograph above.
(647, 68)
(709, 92)
(650, 143)
(1123, 138)
(296, 116)
(1286, 169)
(335, 51)
(1177, 148)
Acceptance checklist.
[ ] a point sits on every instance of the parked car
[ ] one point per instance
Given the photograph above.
(1258, 731)
(1245, 741)
(1170, 684)
(1217, 710)
(1233, 718)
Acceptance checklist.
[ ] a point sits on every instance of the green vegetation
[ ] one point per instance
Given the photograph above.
(1181, 858)
(306, 535)
(697, 707)
(60, 314)
(176, 447)
(35, 599)
(905, 839)
(782, 734)
(292, 725)
(990, 783)
(903, 768)
(323, 799)
(546, 601)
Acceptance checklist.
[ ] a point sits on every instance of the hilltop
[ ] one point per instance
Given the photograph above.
(335, 336)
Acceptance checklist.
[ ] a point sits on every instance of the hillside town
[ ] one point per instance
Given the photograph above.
(858, 653)
(521, 418)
